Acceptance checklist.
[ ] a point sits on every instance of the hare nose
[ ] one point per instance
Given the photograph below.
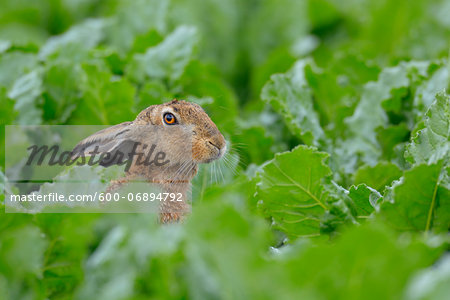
(219, 145)
(218, 148)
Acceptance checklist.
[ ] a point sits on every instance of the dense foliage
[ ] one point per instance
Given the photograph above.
(338, 116)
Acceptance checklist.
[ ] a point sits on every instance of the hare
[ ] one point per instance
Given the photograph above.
(178, 134)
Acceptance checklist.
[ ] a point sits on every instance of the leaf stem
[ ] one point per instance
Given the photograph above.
(430, 211)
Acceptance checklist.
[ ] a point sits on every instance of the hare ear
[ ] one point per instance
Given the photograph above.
(111, 140)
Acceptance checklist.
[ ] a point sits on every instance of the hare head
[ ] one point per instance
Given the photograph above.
(208, 143)
(182, 131)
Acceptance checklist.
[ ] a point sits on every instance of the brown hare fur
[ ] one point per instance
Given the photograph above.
(193, 138)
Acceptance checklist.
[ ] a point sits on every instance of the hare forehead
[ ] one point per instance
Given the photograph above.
(203, 125)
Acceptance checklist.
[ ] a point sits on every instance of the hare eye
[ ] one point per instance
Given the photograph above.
(169, 119)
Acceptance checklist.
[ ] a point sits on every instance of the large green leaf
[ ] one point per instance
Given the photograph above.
(290, 190)
(419, 201)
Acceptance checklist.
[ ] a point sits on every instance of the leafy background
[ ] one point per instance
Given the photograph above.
(337, 113)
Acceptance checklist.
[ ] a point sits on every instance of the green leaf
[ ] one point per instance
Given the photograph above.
(68, 248)
(26, 91)
(133, 18)
(7, 116)
(365, 262)
(369, 113)
(431, 283)
(219, 24)
(294, 196)
(151, 93)
(62, 91)
(106, 99)
(391, 136)
(145, 41)
(254, 145)
(290, 96)
(365, 199)
(378, 176)
(14, 65)
(202, 81)
(419, 201)
(17, 250)
(4, 46)
(279, 61)
(426, 92)
(337, 85)
(433, 142)
(168, 59)
(284, 27)
(74, 43)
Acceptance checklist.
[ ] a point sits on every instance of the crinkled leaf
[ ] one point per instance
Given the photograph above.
(369, 113)
(290, 96)
(337, 86)
(433, 142)
(426, 92)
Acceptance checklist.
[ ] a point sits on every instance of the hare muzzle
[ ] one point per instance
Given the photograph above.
(218, 146)
(206, 151)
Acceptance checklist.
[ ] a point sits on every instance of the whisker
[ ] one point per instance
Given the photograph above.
(215, 172)
(211, 175)
(221, 173)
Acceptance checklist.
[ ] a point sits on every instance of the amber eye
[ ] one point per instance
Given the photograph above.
(169, 119)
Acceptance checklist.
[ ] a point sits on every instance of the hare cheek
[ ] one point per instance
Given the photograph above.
(198, 152)
(203, 152)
